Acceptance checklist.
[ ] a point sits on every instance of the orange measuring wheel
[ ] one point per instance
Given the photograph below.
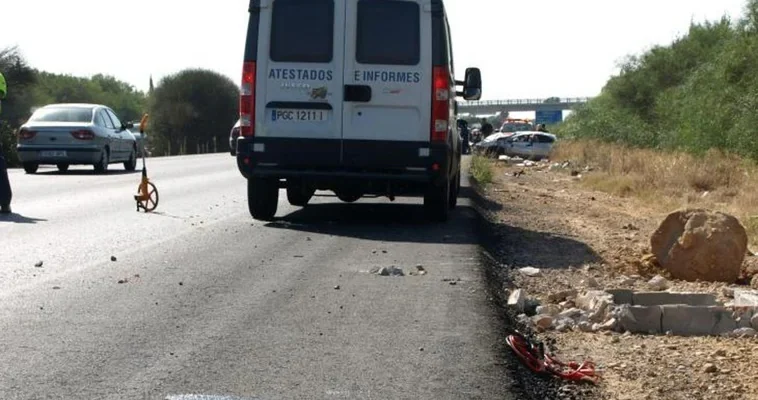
(147, 193)
(147, 199)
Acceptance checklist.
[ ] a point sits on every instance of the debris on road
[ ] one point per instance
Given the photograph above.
(39, 264)
(113, 258)
(658, 283)
(388, 271)
(530, 271)
(337, 287)
(122, 281)
(537, 359)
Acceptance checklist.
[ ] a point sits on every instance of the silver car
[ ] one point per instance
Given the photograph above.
(141, 142)
(69, 134)
(530, 145)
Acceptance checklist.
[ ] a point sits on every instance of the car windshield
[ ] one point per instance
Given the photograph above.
(62, 114)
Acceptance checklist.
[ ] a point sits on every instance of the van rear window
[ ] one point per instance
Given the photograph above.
(388, 32)
(302, 31)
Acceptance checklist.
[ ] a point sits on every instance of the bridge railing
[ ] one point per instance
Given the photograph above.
(566, 100)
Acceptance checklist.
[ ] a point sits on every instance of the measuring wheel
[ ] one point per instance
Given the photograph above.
(147, 201)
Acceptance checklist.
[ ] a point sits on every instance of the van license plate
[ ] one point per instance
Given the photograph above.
(278, 115)
(57, 153)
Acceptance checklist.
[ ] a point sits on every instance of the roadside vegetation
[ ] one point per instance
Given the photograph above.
(191, 111)
(677, 126)
(481, 169)
(697, 94)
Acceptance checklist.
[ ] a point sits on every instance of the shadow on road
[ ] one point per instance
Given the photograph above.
(86, 172)
(19, 219)
(381, 222)
(518, 247)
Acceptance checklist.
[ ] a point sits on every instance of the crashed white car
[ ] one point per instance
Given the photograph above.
(529, 145)
(492, 144)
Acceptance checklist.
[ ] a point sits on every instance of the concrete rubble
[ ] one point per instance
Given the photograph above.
(653, 312)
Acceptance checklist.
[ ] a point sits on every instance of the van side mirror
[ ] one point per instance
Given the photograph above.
(472, 84)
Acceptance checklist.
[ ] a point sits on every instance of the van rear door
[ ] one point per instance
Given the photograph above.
(300, 75)
(388, 73)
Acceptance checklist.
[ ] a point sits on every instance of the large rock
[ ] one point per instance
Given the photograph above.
(700, 245)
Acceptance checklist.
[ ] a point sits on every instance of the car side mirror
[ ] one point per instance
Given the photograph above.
(128, 125)
(472, 84)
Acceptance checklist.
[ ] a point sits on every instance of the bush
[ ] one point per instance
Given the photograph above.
(481, 169)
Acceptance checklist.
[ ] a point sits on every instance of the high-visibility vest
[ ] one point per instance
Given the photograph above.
(3, 87)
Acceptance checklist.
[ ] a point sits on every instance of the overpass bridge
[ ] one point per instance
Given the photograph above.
(487, 107)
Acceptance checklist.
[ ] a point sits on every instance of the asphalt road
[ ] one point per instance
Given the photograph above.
(213, 302)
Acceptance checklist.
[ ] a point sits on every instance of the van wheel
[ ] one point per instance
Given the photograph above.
(455, 189)
(31, 168)
(437, 201)
(299, 196)
(262, 198)
(349, 197)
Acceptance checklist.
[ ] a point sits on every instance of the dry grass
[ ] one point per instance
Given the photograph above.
(670, 180)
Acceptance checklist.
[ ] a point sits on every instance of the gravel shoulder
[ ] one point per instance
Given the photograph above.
(581, 239)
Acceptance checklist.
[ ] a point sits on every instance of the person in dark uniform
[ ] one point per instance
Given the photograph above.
(465, 133)
(5, 185)
(487, 128)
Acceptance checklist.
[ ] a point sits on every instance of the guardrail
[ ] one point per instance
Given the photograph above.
(566, 100)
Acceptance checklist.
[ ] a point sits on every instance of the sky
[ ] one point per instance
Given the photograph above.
(525, 49)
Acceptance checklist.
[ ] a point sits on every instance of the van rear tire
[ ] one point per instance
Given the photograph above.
(437, 201)
(262, 198)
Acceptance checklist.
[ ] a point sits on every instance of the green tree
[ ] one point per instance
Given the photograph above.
(192, 110)
(696, 94)
(16, 107)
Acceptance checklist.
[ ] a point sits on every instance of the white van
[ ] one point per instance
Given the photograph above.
(352, 96)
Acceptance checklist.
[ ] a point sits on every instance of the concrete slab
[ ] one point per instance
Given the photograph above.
(697, 320)
(661, 298)
(640, 319)
(743, 316)
(621, 296)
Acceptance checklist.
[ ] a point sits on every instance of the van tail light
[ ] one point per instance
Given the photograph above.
(83, 134)
(247, 100)
(440, 104)
(25, 134)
